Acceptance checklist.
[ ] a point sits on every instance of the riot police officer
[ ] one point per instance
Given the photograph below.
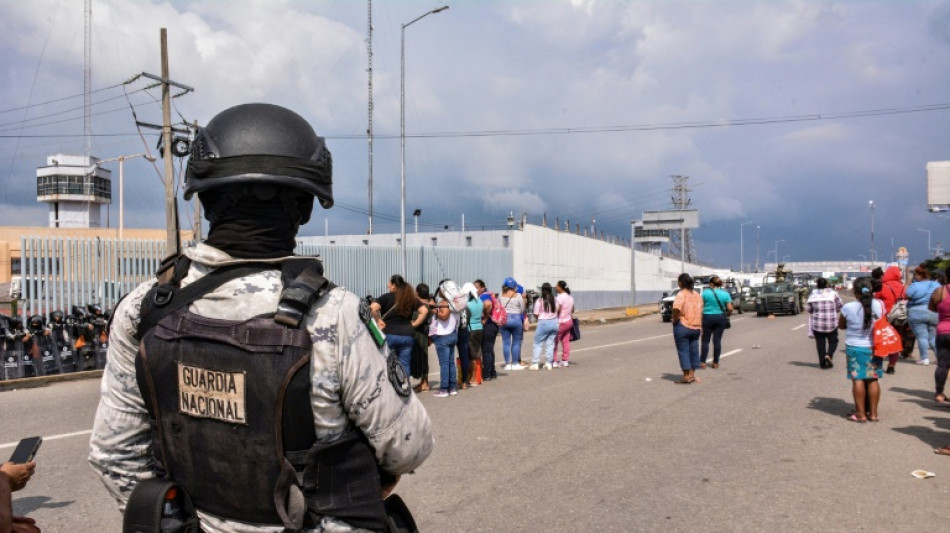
(204, 353)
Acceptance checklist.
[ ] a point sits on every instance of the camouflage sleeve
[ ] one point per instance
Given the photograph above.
(120, 434)
(395, 422)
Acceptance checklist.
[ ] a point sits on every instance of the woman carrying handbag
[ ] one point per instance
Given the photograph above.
(717, 306)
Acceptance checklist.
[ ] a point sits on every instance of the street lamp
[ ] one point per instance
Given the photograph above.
(928, 239)
(871, 205)
(121, 159)
(415, 215)
(757, 228)
(741, 259)
(402, 134)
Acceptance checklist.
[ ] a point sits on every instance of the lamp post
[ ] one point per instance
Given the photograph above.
(928, 239)
(415, 215)
(121, 159)
(741, 258)
(757, 228)
(871, 206)
(402, 134)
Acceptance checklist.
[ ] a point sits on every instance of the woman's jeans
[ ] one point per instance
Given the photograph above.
(511, 335)
(448, 380)
(465, 360)
(564, 339)
(490, 331)
(401, 345)
(544, 340)
(924, 323)
(687, 346)
(713, 326)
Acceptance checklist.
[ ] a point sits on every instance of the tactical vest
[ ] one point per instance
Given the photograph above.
(231, 410)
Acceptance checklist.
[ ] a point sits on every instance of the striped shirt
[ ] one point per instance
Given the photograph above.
(824, 306)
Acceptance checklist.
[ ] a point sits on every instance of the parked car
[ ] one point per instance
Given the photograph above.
(666, 304)
(736, 294)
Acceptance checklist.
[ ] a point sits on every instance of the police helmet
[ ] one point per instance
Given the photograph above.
(78, 311)
(56, 316)
(36, 322)
(260, 144)
(95, 309)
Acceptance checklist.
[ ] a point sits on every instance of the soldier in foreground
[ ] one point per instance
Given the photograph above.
(200, 358)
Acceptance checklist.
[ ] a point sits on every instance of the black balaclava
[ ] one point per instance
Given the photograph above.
(255, 222)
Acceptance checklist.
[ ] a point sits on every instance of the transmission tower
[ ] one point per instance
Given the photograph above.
(680, 241)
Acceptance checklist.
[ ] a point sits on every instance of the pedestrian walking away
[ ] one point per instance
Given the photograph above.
(717, 306)
(824, 306)
(234, 376)
(892, 291)
(687, 325)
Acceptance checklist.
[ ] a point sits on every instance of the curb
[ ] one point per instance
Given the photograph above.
(42, 381)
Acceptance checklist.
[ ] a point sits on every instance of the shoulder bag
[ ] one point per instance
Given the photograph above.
(721, 307)
(898, 314)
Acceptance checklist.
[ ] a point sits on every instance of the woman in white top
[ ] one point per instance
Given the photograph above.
(545, 308)
(565, 319)
(857, 319)
(444, 332)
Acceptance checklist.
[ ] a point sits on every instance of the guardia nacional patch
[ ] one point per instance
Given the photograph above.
(366, 316)
(207, 393)
(398, 377)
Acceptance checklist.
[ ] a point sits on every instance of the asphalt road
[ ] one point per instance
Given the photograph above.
(612, 444)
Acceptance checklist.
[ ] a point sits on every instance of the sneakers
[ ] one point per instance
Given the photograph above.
(441, 393)
(534, 367)
(565, 364)
(516, 366)
(547, 366)
(923, 362)
(453, 392)
(506, 367)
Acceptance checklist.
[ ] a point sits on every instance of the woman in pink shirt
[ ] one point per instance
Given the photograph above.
(565, 318)
(940, 304)
(687, 326)
(545, 308)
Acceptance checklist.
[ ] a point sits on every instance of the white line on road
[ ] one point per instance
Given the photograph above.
(798, 327)
(52, 437)
(733, 352)
(621, 343)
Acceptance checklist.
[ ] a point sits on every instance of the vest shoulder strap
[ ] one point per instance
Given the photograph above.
(304, 284)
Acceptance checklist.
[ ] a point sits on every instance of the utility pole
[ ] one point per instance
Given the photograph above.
(171, 207)
(369, 124)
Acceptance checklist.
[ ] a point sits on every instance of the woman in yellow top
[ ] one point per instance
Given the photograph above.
(687, 326)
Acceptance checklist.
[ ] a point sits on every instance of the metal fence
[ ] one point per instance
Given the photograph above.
(58, 273)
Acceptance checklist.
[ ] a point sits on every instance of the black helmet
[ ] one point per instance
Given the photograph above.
(260, 143)
(78, 311)
(36, 323)
(56, 316)
(95, 309)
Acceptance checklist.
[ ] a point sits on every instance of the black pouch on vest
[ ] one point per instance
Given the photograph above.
(144, 510)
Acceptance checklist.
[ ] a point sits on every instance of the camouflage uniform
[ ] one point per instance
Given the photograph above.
(349, 385)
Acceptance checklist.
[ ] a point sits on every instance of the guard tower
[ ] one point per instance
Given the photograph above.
(75, 187)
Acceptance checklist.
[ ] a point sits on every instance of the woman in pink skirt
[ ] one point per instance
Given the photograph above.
(565, 317)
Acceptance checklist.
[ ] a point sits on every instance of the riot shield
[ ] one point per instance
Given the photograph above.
(11, 363)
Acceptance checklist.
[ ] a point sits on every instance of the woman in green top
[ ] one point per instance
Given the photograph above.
(717, 306)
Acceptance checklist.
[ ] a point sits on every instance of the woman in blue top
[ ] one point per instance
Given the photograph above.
(857, 319)
(717, 306)
(922, 320)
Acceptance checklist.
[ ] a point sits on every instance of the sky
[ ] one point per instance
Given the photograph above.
(787, 116)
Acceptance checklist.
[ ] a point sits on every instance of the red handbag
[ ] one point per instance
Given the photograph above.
(886, 339)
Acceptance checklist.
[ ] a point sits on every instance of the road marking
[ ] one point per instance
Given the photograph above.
(798, 327)
(51, 437)
(621, 343)
(733, 352)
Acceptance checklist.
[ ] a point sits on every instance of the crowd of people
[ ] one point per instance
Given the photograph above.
(62, 344)
(463, 324)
